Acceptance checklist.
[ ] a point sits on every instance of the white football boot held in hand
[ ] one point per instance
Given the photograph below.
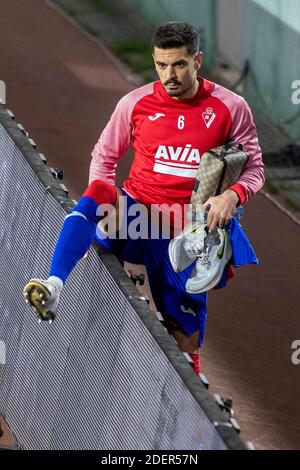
(211, 252)
(210, 263)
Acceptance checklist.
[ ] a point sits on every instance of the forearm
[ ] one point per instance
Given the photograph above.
(251, 181)
(102, 170)
(244, 132)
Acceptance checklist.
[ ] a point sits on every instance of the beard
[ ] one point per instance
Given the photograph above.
(175, 92)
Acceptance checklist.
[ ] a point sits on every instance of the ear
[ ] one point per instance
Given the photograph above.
(198, 60)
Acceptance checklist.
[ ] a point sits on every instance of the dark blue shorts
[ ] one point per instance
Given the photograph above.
(167, 287)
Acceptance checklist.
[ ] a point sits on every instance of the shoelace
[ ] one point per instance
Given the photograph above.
(204, 257)
(194, 244)
(194, 248)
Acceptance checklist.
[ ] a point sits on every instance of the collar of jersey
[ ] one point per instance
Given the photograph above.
(204, 90)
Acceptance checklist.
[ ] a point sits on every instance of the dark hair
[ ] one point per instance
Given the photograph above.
(176, 34)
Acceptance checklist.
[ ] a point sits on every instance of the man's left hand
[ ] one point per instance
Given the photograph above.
(221, 210)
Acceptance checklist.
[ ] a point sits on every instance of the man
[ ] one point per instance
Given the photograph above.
(170, 124)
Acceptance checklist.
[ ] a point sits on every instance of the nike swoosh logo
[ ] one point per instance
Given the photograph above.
(197, 230)
(221, 254)
(157, 116)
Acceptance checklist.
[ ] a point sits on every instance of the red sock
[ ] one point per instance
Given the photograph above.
(196, 362)
(230, 273)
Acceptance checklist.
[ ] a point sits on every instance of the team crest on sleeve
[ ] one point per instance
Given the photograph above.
(208, 117)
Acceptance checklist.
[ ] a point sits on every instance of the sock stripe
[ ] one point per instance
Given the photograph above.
(74, 214)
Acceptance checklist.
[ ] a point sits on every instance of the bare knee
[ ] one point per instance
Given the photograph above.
(189, 344)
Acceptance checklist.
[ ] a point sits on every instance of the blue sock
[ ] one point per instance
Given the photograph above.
(76, 236)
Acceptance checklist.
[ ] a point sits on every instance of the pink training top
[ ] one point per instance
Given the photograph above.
(168, 138)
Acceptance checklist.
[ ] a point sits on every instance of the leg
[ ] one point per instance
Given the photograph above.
(189, 344)
(83, 220)
(185, 314)
(76, 236)
(186, 343)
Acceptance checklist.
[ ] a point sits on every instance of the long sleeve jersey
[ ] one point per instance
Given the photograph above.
(169, 136)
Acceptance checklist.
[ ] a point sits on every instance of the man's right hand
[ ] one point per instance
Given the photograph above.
(43, 296)
(221, 209)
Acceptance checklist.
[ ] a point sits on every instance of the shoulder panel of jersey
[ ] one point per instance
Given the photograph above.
(234, 103)
(115, 138)
(129, 101)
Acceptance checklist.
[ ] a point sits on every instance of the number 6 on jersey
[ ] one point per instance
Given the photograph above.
(181, 122)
